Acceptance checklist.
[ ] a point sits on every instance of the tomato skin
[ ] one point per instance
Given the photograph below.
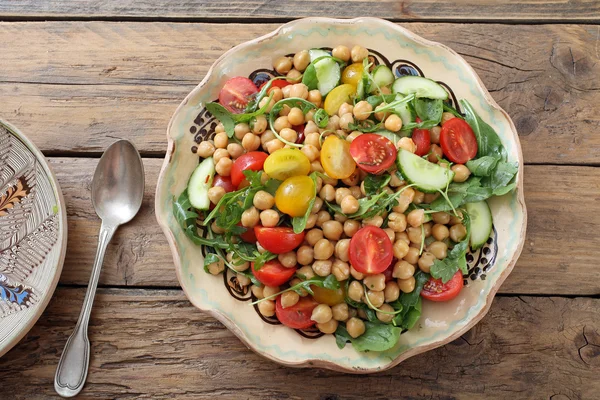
(371, 250)
(286, 163)
(293, 196)
(336, 158)
(435, 290)
(279, 239)
(373, 153)
(298, 315)
(338, 96)
(458, 141)
(249, 236)
(235, 94)
(224, 182)
(422, 139)
(253, 160)
(273, 273)
(280, 83)
(352, 74)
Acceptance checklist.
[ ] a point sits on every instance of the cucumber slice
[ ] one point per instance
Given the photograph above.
(405, 111)
(317, 53)
(421, 87)
(427, 177)
(481, 223)
(200, 181)
(393, 136)
(382, 76)
(328, 75)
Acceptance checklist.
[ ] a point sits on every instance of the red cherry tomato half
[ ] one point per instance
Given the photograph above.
(235, 94)
(278, 240)
(253, 160)
(435, 290)
(224, 182)
(373, 153)
(273, 273)
(249, 236)
(298, 315)
(458, 141)
(280, 83)
(370, 250)
(422, 139)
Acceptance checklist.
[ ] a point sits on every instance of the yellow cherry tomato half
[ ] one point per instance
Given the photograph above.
(285, 163)
(352, 74)
(338, 96)
(336, 159)
(294, 195)
(331, 297)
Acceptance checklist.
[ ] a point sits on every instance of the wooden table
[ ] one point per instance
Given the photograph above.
(75, 75)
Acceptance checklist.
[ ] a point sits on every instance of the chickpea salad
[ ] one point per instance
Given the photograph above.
(344, 197)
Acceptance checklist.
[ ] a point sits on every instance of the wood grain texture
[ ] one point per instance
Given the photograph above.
(561, 245)
(155, 344)
(487, 10)
(74, 87)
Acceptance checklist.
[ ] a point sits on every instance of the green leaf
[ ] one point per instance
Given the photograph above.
(309, 78)
(503, 190)
(226, 118)
(411, 318)
(365, 206)
(452, 111)
(321, 118)
(299, 223)
(330, 282)
(376, 100)
(377, 337)
(446, 268)
(182, 210)
(428, 124)
(488, 141)
(429, 109)
(408, 301)
(366, 126)
(374, 183)
(209, 259)
(501, 176)
(483, 166)
(342, 336)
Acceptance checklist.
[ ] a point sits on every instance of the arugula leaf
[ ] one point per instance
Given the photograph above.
(182, 210)
(321, 118)
(453, 111)
(374, 183)
(483, 166)
(366, 126)
(488, 141)
(407, 302)
(446, 268)
(365, 206)
(209, 259)
(330, 282)
(253, 104)
(299, 223)
(419, 125)
(377, 337)
(429, 109)
(249, 252)
(221, 113)
(376, 100)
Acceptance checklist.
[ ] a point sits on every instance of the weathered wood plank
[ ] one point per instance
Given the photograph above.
(74, 87)
(561, 245)
(155, 344)
(515, 10)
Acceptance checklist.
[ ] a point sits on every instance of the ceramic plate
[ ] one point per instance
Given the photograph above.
(33, 235)
(406, 54)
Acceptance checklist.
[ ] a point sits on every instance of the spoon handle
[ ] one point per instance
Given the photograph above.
(73, 366)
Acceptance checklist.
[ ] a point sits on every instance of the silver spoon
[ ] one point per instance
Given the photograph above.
(117, 192)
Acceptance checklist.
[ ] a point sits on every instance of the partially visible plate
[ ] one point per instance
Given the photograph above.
(33, 235)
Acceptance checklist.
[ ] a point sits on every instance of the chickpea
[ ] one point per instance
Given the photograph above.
(321, 314)
(316, 166)
(355, 327)
(434, 135)
(461, 172)
(407, 285)
(296, 116)
(458, 232)
(403, 270)
(328, 327)
(322, 217)
(402, 236)
(332, 230)
(327, 193)
(438, 249)
(241, 129)
(288, 259)
(323, 249)
(426, 261)
(315, 97)
(397, 221)
(353, 180)
(355, 191)
(219, 154)
(274, 145)
(400, 249)
(351, 227)
(221, 140)
(404, 200)
(258, 124)
(375, 282)
(293, 76)
(344, 109)
(267, 308)
(441, 217)
(416, 217)
(215, 193)
(295, 281)
(205, 149)
(217, 267)
(250, 217)
(349, 204)
(216, 228)
(318, 204)
(269, 291)
(219, 128)
(362, 110)
(358, 53)
(346, 120)
(419, 197)
(257, 291)
(393, 123)
(250, 142)
(340, 312)
(289, 299)
(440, 232)
(333, 124)
(269, 218)
(283, 65)
(306, 271)
(446, 116)
(311, 221)
(436, 154)
(305, 255)
(341, 270)
(340, 193)
(263, 200)
(266, 137)
(322, 267)
(454, 220)
(407, 144)
(391, 291)
(412, 256)
(313, 236)
(330, 181)
(380, 115)
(341, 52)
(376, 297)
(390, 233)
(299, 90)
(342, 249)
(387, 315)
(414, 235)
(281, 122)
(356, 291)
(235, 150)
(430, 197)
(301, 60)
(289, 134)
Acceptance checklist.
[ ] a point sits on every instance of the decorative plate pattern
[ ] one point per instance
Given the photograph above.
(440, 323)
(32, 235)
